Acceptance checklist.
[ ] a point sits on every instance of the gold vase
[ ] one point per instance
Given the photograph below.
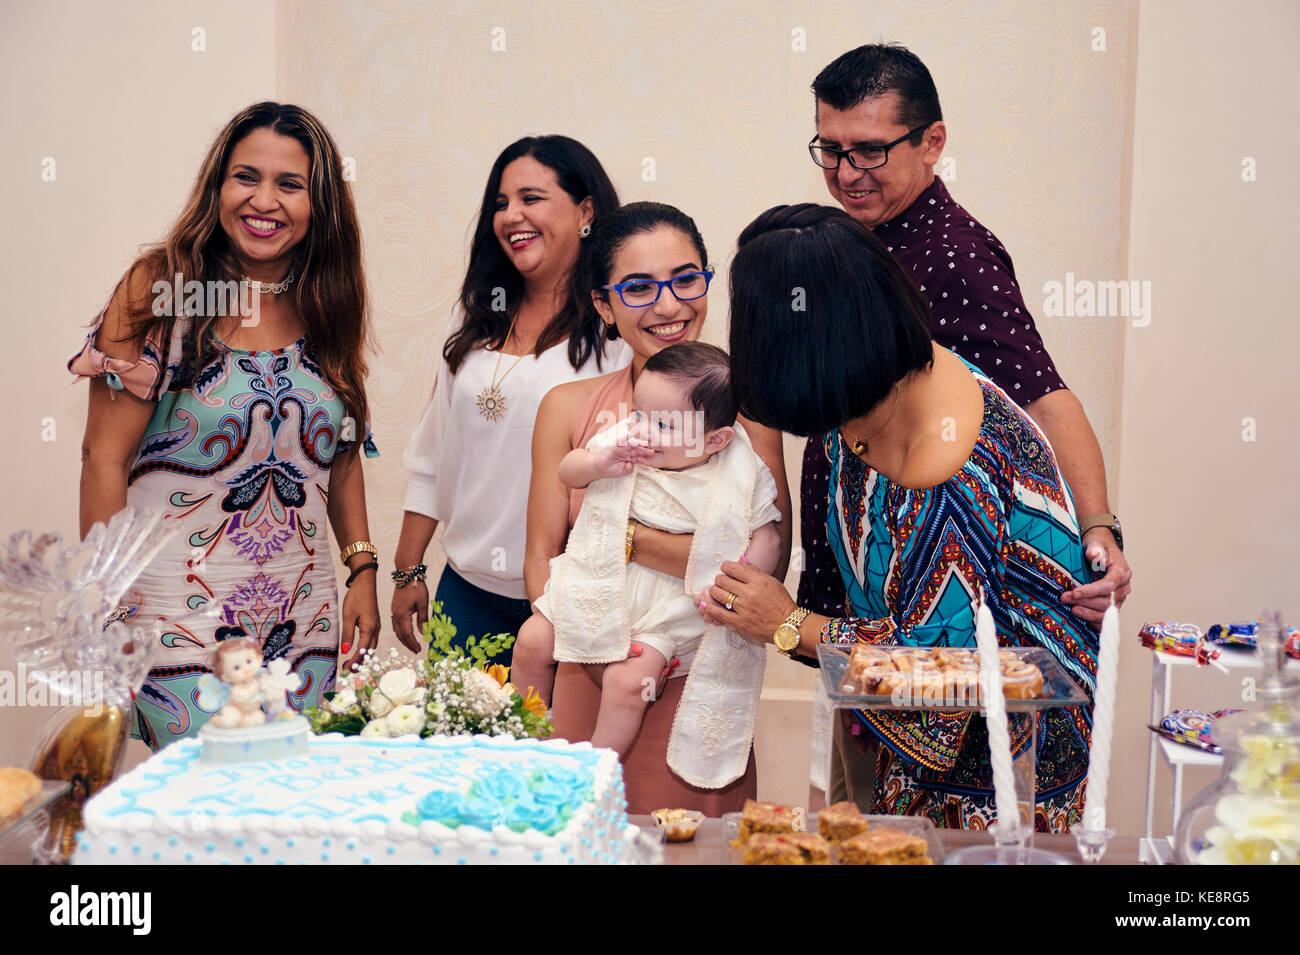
(87, 751)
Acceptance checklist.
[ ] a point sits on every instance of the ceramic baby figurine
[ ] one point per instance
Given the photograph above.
(237, 663)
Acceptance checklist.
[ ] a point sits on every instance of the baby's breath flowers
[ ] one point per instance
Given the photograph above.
(453, 691)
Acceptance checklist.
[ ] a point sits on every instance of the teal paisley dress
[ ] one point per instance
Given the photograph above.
(239, 452)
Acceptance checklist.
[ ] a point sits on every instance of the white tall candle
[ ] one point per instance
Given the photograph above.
(1103, 721)
(1004, 780)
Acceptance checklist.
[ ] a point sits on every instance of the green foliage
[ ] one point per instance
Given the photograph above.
(439, 630)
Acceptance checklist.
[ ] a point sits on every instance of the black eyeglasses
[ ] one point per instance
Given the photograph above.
(860, 157)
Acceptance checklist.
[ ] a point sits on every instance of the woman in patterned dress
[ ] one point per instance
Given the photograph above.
(941, 488)
(227, 379)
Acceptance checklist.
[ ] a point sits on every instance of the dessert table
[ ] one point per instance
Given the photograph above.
(710, 848)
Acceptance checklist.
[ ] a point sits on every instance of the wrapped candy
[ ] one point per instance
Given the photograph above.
(1179, 639)
(1245, 636)
(1192, 728)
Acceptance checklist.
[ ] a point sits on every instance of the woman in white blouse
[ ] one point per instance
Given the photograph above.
(528, 325)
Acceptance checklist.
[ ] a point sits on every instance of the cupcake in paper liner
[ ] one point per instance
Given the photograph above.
(679, 825)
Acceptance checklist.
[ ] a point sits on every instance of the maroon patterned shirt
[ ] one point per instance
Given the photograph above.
(976, 310)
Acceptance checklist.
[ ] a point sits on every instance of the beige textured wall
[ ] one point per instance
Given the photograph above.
(716, 95)
(1213, 517)
(118, 97)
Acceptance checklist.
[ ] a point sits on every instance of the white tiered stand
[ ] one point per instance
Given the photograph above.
(1158, 850)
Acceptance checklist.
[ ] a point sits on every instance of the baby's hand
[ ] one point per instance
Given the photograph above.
(619, 459)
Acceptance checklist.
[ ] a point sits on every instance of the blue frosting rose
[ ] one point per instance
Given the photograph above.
(500, 785)
(529, 814)
(553, 793)
(481, 812)
(440, 806)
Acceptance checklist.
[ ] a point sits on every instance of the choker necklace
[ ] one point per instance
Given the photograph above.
(491, 403)
(277, 288)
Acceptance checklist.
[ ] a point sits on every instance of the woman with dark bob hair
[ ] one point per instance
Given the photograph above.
(941, 488)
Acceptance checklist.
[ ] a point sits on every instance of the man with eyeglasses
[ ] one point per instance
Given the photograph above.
(880, 133)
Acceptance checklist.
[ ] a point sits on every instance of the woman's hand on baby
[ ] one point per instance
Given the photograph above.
(619, 459)
(759, 602)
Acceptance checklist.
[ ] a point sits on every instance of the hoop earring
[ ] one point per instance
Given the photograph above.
(584, 232)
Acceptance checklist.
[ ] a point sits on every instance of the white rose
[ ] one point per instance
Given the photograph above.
(404, 719)
(398, 685)
(343, 701)
(484, 696)
(373, 729)
(380, 705)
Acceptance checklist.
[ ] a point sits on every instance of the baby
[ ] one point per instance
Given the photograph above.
(679, 463)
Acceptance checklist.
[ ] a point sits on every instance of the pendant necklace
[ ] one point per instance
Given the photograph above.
(491, 403)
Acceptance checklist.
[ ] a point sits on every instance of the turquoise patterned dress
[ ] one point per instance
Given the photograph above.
(239, 453)
(913, 560)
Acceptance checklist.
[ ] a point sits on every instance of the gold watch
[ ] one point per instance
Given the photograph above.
(786, 637)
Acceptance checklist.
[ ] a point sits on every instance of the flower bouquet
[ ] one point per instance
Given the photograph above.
(452, 691)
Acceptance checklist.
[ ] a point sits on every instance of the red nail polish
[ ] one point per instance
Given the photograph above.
(346, 648)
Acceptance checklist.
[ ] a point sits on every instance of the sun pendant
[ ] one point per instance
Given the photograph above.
(491, 403)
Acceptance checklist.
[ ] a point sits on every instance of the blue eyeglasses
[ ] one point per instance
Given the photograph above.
(642, 293)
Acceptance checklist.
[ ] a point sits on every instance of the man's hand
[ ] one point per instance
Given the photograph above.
(1102, 554)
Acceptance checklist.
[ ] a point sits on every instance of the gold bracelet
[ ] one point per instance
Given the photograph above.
(631, 543)
(356, 548)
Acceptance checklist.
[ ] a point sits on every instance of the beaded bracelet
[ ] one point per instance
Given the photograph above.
(369, 565)
(409, 575)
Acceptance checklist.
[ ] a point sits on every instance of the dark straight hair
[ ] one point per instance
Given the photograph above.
(707, 370)
(877, 69)
(580, 174)
(824, 321)
(611, 231)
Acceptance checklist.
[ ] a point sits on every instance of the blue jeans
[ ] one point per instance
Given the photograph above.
(478, 612)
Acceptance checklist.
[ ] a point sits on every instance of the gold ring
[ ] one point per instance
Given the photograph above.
(731, 599)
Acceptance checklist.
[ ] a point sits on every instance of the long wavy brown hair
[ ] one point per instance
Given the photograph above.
(330, 288)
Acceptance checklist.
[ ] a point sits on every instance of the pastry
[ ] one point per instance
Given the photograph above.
(789, 848)
(956, 658)
(908, 659)
(961, 686)
(1004, 657)
(841, 821)
(869, 678)
(19, 782)
(891, 682)
(679, 825)
(865, 656)
(1021, 681)
(763, 817)
(884, 846)
(16, 787)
